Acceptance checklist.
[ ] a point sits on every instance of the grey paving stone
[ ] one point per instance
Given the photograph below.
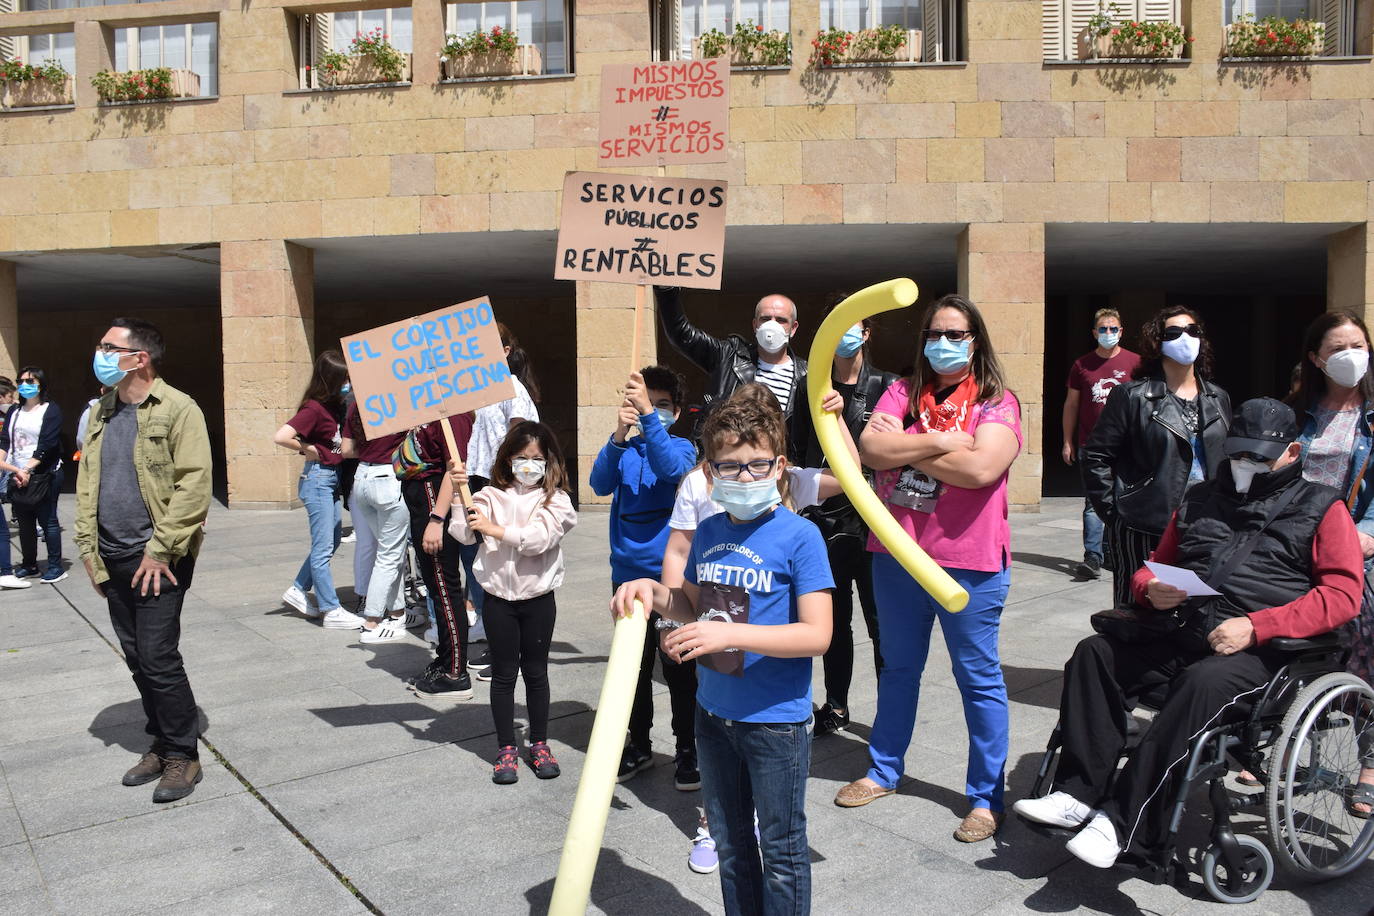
(309, 891)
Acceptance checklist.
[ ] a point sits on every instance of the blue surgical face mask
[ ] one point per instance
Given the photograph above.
(28, 390)
(948, 356)
(851, 342)
(746, 500)
(1107, 341)
(106, 368)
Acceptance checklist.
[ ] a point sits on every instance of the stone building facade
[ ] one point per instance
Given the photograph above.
(263, 222)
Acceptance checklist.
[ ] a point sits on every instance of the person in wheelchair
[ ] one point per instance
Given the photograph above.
(1285, 556)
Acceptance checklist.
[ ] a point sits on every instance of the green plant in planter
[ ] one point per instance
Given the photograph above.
(389, 61)
(133, 85)
(1104, 20)
(714, 43)
(829, 46)
(1273, 36)
(1149, 38)
(20, 72)
(498, 40)
(880, 42)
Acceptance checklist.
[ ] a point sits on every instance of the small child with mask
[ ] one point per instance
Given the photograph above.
(519, 522)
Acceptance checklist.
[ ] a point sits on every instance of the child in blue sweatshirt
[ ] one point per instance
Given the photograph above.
(641, 473)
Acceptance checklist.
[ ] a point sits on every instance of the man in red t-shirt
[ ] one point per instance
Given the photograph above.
(1091, 379)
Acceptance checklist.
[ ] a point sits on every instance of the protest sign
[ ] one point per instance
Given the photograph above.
(664, 113)
(632, 229)
(410, 372)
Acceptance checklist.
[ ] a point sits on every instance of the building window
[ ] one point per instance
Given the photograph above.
(1064, 23)
(1339, 16)
(542, 23)
(37, 49)
(321, 33)
(190, 46)
(937, 21)
(678, 23)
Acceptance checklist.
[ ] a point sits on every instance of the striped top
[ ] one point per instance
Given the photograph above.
(779, 379)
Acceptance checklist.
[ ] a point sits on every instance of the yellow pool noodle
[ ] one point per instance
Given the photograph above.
(881, 297)
(573, 887)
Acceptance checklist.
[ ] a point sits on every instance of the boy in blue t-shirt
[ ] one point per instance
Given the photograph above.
(756, 604)
(643, 472)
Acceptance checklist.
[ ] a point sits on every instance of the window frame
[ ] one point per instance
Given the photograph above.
(666, 24)
(133, 52)
(451, 28)
(1338, 42)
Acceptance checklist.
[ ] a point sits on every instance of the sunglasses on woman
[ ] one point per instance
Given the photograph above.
(952, 334)
(1176, 331)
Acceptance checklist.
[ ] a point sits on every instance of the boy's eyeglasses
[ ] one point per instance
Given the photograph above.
(1177, 331)
(952, 334)
(731, 470)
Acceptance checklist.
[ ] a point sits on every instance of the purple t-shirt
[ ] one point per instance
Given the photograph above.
(968, 528)
(318, 427)
(1094, 378)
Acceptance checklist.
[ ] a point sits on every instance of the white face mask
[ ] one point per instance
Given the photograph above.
(1183, 349)
(1243, 471)
(1347, 367)
(528, 471)
(772, 337)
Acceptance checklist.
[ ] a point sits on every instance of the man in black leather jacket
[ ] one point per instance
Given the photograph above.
(735, 361)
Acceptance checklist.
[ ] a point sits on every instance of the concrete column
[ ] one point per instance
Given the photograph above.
(1002, 269)
(9, 319)
(94, 52)
(605, 328)
(1348, 271)
(267, 310)
(427, 28)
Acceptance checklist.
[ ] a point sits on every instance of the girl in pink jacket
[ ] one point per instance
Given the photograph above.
(519, 521)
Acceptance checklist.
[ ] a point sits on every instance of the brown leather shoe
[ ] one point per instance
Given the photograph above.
(859, 793)
(148, 768)
(977, 827)
(179, 778)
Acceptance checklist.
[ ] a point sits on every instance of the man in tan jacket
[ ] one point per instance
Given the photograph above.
(143, 491)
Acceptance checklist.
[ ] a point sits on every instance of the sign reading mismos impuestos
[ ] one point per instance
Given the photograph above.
(642, 230)
(667, 113)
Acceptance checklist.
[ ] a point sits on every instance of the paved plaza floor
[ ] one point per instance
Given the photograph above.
(331, 789)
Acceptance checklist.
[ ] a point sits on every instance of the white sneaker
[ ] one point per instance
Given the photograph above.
(301, 601)
(413, 619)
(1058, 809)
(432, 635)
(389, 630)
(339, 619)
(350, 538)
(1096, 843)
(476, 632)
(14, 582)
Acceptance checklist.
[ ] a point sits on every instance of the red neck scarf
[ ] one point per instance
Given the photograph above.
(951, 414)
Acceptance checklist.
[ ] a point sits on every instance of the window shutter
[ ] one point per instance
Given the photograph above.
(1157, 11)
(932, 21)
(1052, 29)
(9, 44)
(1334, 40)
(1076, 16)
(321, 41)
(674, 29)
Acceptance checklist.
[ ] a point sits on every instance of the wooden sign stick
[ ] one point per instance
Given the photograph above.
(464, 494)
(641, 294)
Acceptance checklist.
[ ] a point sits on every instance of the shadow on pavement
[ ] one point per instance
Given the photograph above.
(123, 724)
(1056, 564)
(621, 888)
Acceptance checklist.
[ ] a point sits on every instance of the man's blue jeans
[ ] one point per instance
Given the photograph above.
(319, 490)
(749, 768)
(1092, 532)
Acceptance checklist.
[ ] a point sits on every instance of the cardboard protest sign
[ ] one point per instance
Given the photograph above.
(632, 229)
(664, 113)
(410, 372)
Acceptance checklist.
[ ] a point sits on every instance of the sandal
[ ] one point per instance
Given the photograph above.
(1361, 794)
(859, 793)
(977, 827)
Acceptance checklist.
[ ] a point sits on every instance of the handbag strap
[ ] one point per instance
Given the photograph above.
(1242, 553)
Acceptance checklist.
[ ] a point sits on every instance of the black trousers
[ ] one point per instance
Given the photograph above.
(42, 516)
(518, 638)
(1102, 682)
(149, 631)
(442, 575)
(681, 679)
(851, 565)
(1129, 549)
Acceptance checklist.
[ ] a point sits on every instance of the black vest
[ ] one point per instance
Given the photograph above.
(1214, 521)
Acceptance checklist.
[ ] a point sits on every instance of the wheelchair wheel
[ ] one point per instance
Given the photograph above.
(1254, 876)
(1315, 766)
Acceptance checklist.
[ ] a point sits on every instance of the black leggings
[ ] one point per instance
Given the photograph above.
(518, 637)
(851, 564)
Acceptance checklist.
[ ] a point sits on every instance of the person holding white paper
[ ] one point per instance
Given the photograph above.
(1284, 555)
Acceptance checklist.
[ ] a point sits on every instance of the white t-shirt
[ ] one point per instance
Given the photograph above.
(693, 505)
(24, 434)
(490, 425)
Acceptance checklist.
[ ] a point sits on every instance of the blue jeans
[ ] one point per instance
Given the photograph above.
(1092, 532)
(319, 490)
(749, 768)
(42, 516)
(906, 615)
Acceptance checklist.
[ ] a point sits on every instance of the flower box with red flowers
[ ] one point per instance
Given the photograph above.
(370, 58)
(34, 86)
(1134, 40)
(750, 45)
(497, 52)
(890, 44)
(146, 85)
(1274, 36)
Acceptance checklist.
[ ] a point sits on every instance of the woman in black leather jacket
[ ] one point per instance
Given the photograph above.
(1159, 434)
